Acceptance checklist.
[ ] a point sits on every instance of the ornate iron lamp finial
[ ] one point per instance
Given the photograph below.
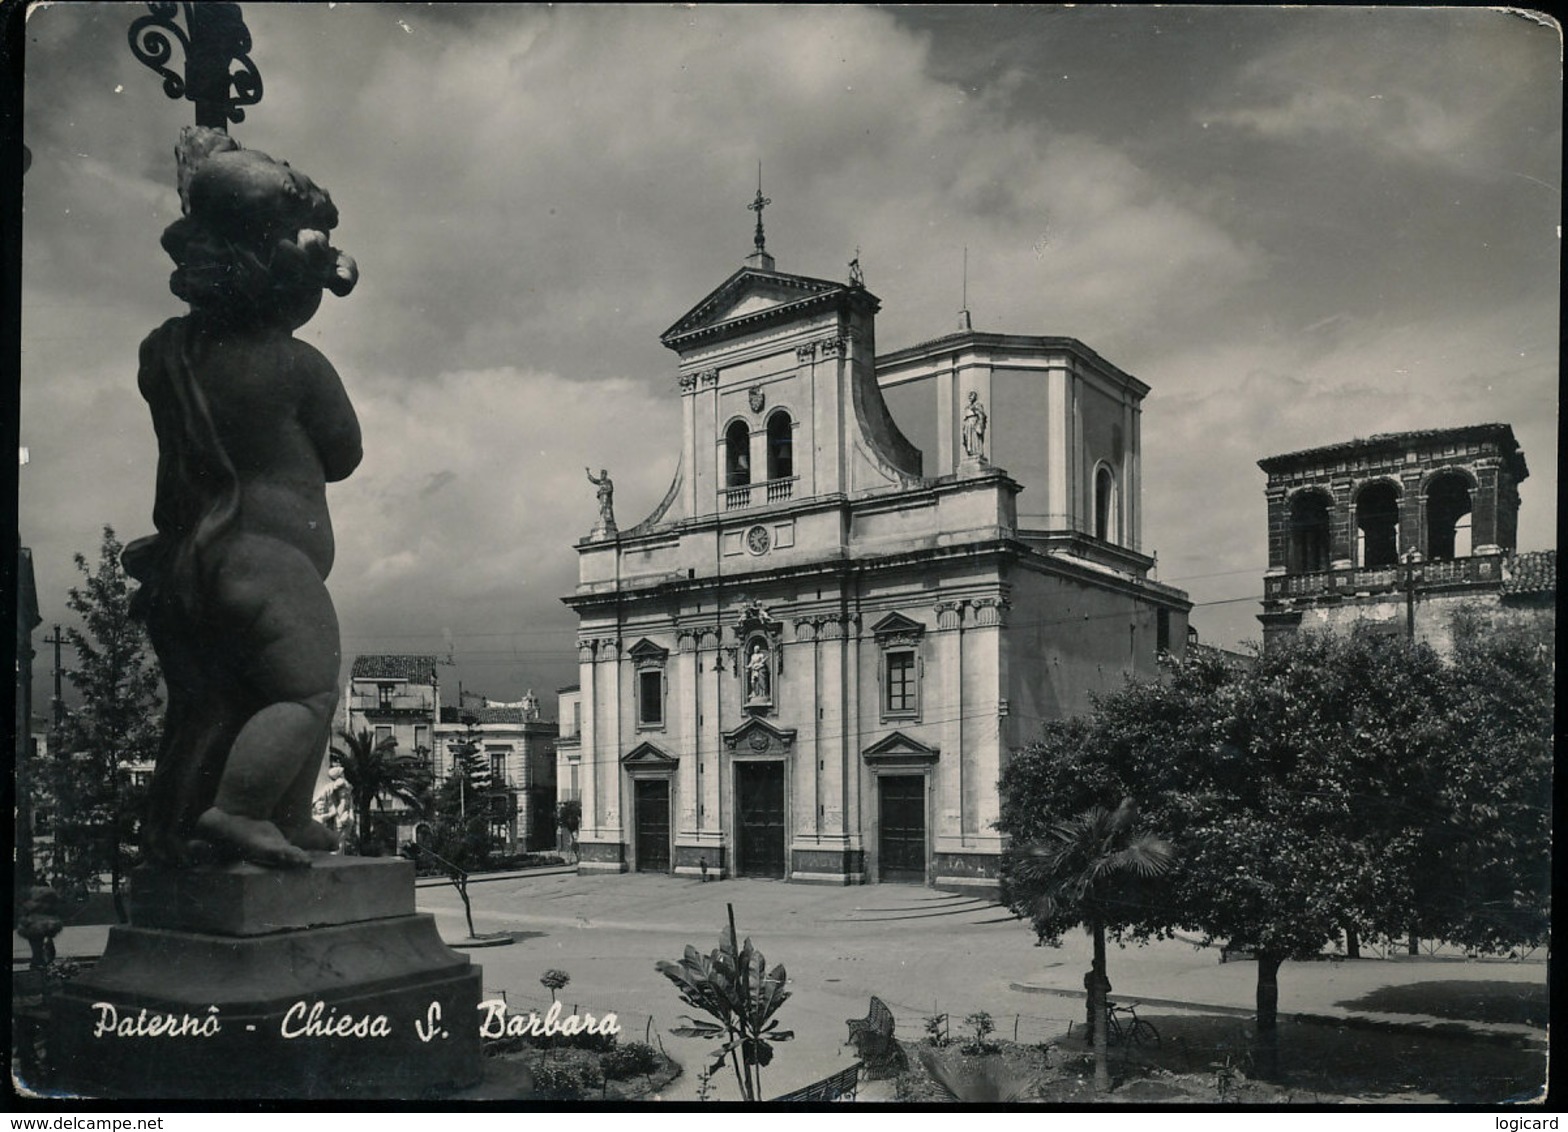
(214, 38)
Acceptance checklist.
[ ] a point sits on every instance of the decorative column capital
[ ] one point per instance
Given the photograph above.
(688, 381)
(806, 352)
(832, 347)
(949, 614)
(585, 650)
(806, 628)
(686, 639)
(990, 610)
(708, 376)
(829, 628)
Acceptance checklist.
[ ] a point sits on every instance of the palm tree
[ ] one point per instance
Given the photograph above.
(1076, 876)
(373, 769)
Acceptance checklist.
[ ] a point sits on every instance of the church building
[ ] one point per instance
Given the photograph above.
(813, 658)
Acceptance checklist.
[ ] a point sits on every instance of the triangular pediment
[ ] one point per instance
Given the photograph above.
(896, 624)
(900, 748)
(759, 736)
(751, 295)
(647, 756)
(647, 650)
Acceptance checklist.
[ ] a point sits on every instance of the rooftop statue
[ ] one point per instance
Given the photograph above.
(252, 424)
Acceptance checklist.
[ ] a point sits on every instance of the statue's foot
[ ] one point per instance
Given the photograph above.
(313, 836)
(257, 841)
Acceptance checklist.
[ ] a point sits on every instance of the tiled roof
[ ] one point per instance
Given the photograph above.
(483, 715)
(394, 666)
(1382, 442)
(1532, 573)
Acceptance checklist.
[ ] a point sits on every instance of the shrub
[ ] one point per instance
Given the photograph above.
(983, 1026)
(566, 1081)
(633, 1059)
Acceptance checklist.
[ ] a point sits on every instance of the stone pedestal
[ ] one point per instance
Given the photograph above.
(242, 982)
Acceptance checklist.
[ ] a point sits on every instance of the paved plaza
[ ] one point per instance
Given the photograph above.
(922, 952)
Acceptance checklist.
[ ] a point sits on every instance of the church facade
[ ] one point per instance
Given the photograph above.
(812, 659)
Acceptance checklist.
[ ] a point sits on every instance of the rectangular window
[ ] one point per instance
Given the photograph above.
(572, 779)
(422, 736)
(498, 767)
(384, 692)
(650, 698)
(1162, 630)
(900, 684)
(577, 717)
(383, 734)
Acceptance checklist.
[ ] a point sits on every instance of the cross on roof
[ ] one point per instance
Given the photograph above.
(757, 206)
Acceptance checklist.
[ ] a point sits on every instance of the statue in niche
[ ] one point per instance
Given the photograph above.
(974, 427)
(757, 673)
(252, 424)
(606, 494)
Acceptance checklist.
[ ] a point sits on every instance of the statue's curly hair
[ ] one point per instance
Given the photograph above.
(252, 247)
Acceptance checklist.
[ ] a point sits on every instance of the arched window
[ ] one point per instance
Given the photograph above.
(1309, 532)
(737, 455)
(1448, 517)
(1106, 520)
(1377, 525)
(781, 452)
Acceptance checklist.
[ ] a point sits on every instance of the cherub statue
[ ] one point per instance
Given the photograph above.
(252, 424)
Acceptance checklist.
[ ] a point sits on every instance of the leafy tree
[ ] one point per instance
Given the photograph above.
(1483, 867)
(374, 770)
(732, 986)
(1087, 872)
(553, 980)
(569, 816)
(115, 724)
(1347, 779)
(464, 806)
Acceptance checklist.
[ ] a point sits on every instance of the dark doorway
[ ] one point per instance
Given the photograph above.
(901, 844)
(652, 800)
(759, 819)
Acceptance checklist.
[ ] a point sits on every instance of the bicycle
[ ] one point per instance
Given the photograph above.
(1133, 1032)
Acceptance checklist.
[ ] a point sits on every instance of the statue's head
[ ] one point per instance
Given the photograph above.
(252, 246)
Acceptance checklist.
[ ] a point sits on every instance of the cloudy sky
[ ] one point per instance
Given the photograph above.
(1297, 225)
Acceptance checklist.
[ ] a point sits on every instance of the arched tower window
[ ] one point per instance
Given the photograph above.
(737, 455)
(1106, 519)
(781, 452)
(1448, 517)
(1309, 529)
(1377, 525)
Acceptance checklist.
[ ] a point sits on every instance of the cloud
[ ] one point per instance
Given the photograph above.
(1323, 85)
(1362, 239)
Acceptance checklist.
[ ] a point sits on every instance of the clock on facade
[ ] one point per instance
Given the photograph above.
(757, 540)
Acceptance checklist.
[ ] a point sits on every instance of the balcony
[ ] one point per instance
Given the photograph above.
(769, 491)
(392, 705)
(1475, 570)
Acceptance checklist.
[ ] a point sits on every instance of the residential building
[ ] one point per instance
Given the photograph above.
(1402, 531)
(812, 659)
(519, 748)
